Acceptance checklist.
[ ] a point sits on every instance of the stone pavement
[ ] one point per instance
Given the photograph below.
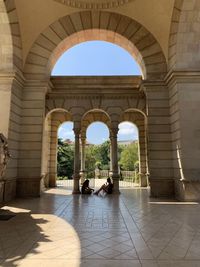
(60, 229)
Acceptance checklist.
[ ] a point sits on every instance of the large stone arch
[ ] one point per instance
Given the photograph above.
(38, 58)
(10, 38)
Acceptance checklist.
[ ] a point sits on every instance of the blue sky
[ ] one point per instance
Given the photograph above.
(97, 58)
(97, 132)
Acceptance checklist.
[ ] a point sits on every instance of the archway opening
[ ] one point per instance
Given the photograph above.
(65, 155)
(97, 147)
(96, 58)
(128, 154)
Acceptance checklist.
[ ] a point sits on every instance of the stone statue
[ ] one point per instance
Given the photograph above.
(4, 155)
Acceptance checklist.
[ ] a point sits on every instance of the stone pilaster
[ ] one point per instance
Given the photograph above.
(11, 85)
(31, 132)
(185, 110)
(160, 160)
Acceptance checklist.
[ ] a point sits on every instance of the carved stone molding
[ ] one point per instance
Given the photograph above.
(94, 4)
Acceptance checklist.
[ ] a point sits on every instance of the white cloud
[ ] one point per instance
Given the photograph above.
(65, 133)
(127, 128)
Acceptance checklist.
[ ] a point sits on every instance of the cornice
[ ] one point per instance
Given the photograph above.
(179, 76)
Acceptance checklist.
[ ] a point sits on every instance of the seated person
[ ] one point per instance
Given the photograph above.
(107, 187)
(85, 188)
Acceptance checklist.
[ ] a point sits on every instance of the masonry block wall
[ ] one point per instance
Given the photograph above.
(160, 157)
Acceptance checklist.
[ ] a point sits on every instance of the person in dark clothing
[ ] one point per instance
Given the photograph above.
(86, 188)
(107, 187)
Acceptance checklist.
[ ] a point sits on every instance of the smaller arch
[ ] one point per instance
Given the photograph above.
(58, 110)
(54, 118)
(93, 116)
(132, 113)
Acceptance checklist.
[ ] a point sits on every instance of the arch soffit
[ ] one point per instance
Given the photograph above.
(174, 33)
(57, 113)
(36, 65)
(134, 116)
(184, 47)
(10, 37)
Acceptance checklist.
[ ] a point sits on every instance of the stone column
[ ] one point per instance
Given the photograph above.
(115, 168)
(76, 176)
(82, 172)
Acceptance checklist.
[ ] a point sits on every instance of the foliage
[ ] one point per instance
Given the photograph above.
(65, 159)
(97, 156)
(129, 156)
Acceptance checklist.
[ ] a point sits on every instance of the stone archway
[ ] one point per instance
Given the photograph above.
(150, 52)
(50, 140)
(95, 115)
(58, 93)
(140, 120)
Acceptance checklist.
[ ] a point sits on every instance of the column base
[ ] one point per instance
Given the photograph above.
(76, 192)
(115, 178)
(187, 190)
(76, 187)
(162, 188)
(143, 180)
(52, 179)
(29, 187)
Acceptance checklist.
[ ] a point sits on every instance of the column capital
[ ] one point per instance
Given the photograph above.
(76, 131)
(114, 131)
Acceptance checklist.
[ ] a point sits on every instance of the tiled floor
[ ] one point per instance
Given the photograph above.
(67, 230)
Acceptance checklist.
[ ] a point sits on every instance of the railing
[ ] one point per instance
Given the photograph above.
(128, 179)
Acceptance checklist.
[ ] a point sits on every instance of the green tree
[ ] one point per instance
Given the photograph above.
(90, 161)
(129, 156)
(65, 159)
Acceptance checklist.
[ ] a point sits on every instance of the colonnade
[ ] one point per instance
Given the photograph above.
(80, 158)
